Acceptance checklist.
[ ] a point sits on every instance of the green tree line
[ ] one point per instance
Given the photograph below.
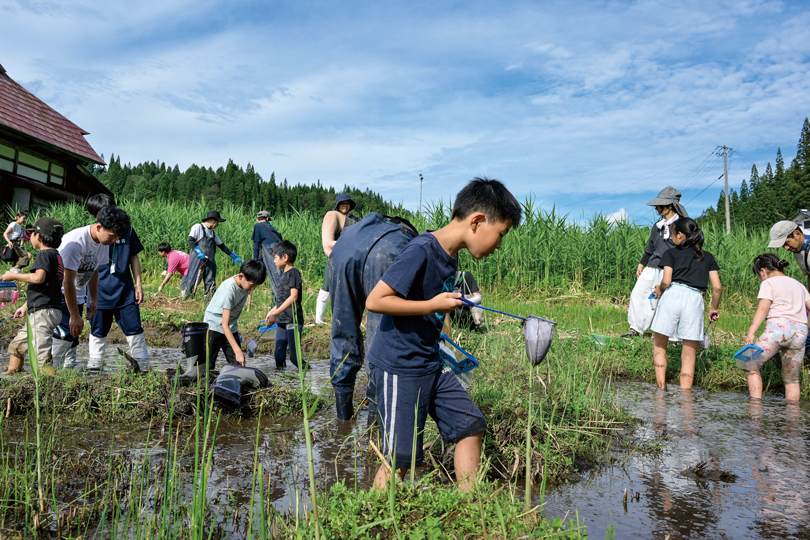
(765, 198)
(157, 181)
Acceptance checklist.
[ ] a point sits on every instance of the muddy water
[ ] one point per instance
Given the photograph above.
(281, 441)
(765, 444)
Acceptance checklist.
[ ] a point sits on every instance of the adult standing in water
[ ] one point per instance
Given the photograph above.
(333, 223)
(358, 262)
(203, 241)
(265, 237)
(119, 295)
(649, 272)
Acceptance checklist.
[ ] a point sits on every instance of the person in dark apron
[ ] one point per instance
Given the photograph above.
(358, 261)
(333, 223)
(265, 237)
(119, 296)
(203, 242)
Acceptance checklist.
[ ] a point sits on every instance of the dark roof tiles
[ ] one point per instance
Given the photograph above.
(22, 111)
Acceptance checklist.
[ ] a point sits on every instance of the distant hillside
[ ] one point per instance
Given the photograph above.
(243, 187)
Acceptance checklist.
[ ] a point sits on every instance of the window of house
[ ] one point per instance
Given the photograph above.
(807, 224)
(32, 167)
(57, 174)
(7, 158)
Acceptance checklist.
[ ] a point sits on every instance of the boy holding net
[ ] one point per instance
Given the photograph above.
(414, 297)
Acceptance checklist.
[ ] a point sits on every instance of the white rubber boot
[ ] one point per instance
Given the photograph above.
(59, 351)
(138, 350)
(320, 306)
(98, 347)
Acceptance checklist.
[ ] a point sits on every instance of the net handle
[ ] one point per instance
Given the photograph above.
(473, 304)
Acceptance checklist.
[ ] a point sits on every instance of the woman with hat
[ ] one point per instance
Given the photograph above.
(203, 240)
(649, 272)
(333, 223)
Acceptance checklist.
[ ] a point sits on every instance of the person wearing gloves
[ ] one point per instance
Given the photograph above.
(333, 223)
(649, 272)
(203, 240)
(120, 294)
(265, 237)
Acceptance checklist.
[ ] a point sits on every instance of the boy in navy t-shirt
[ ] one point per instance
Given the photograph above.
(414, 297)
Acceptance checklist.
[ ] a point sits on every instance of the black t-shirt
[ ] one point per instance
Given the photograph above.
(291, 279)
(687, 269)
(47, 294)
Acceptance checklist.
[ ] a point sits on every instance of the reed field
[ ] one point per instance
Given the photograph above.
(549, 254)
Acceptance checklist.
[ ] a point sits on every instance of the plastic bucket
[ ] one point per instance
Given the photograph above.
(653, 301)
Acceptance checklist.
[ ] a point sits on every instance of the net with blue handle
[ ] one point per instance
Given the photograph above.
(465, 365)
(747, 356)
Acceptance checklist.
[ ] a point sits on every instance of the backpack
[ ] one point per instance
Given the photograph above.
(462, 288)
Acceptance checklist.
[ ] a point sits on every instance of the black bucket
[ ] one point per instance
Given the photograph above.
(195, 337)
(194, 344)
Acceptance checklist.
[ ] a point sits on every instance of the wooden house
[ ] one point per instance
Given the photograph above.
(43, 155)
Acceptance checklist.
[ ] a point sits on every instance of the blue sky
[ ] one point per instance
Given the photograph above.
(592, 107)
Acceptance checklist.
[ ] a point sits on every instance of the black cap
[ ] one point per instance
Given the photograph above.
(213, 214)
(47, 226)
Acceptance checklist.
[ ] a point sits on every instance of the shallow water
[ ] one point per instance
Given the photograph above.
(766, 444)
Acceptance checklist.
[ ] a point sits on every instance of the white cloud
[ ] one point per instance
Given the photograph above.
(554, 99)
(618, 216)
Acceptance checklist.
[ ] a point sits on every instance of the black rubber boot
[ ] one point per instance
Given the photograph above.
(344, 405)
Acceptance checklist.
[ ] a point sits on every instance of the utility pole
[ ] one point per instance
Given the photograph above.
(420, 194)
(725, 172)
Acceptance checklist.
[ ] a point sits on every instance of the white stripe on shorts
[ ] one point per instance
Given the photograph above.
(393, 420)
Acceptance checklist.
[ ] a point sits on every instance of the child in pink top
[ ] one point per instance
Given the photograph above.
(783, 302)
(177, 263)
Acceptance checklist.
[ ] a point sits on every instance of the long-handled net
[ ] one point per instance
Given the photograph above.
(539, 333)
(253, 345)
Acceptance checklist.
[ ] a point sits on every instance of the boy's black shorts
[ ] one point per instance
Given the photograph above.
(218, 342)
(438, 394)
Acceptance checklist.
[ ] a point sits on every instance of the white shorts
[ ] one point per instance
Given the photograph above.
(680, 311)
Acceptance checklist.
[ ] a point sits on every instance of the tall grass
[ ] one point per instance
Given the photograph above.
(548, 254)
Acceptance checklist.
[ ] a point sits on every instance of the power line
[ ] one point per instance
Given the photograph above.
(693, 177)
(633, 183)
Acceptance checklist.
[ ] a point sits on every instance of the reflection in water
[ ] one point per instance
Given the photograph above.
(765, 443)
